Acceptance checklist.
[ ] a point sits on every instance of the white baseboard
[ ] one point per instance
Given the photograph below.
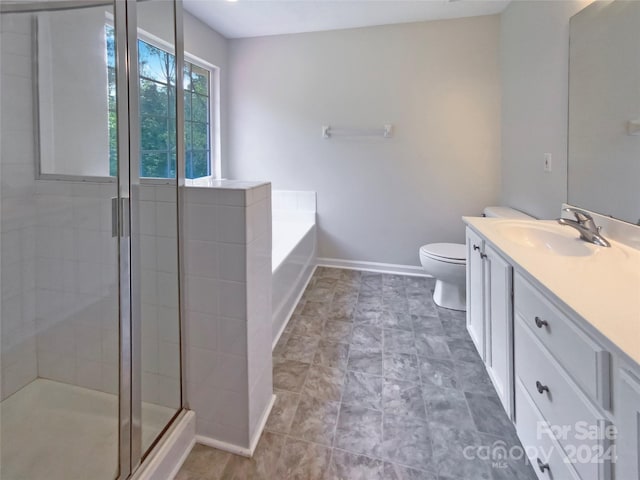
(169, 456)
(411, 270)
(261, 424)
(220, 445)
(293, 306)
(236, 449)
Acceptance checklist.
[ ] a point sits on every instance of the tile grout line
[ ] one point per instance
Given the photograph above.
(346, 373)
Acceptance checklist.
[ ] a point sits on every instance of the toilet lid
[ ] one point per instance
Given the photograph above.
(452, 251)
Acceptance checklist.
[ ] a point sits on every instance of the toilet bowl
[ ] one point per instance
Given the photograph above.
(447, 262)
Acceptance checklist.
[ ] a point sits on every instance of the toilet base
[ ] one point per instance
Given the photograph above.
(451, 296)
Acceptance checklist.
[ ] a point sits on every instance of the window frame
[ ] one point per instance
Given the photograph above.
(214, 119)
(214, 104)
(214, 115)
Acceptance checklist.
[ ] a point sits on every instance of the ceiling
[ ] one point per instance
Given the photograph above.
(253, 18)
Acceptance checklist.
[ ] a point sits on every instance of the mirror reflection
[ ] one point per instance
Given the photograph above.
(604, 109)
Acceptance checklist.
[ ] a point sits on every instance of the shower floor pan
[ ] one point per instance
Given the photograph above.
(55, 431)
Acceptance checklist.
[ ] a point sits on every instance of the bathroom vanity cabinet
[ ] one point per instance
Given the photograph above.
(563, 380)
(476, 291)
(628, 423)
(573, 395)
(489, 313)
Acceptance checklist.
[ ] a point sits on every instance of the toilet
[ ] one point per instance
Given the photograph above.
(447, 263)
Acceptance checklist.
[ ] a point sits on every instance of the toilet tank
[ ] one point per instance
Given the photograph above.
(506, 212)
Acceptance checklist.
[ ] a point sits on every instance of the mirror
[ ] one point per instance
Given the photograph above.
(604, 109)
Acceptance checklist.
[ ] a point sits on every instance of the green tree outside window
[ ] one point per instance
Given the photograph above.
(158, 113)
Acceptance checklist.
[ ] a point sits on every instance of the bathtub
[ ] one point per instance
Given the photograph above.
(293, 254)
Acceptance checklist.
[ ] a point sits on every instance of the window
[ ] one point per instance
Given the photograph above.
(158, 113)
(197, 121)
(111, 94)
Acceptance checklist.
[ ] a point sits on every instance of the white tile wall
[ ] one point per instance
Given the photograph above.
(60, 298)
(160, 331)
(17, 209)
(228, 302)
(76, 284)
(294, 205)
(59, 304)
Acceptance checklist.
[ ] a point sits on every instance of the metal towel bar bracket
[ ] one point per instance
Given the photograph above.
(386, 131)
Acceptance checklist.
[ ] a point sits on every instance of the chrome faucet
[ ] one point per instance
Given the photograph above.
(584, 223)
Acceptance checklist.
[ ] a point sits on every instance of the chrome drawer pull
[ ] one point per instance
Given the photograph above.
(476, 247)
(543, 466)
(541, 323)
(541, 388)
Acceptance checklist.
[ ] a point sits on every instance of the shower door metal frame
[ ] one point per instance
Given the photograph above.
(125, 132)
(132, 454)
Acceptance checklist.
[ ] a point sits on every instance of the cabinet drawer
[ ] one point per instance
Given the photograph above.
(584, 360)
(579, 428)
(543, 448)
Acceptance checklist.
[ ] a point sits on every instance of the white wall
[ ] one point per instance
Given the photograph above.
(534, 60)
(378, 200)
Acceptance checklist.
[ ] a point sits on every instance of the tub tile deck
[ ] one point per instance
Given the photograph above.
(373, 381)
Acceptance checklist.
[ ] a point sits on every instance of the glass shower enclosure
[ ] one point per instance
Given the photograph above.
(91, 143)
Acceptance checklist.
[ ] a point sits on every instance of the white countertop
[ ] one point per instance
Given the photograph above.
(603, 287)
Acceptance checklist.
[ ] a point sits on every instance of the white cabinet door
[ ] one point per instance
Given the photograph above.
(499, 325)
(475, 291)
(628, 426)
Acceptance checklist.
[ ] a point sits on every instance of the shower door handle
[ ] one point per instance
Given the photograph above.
(119, 217)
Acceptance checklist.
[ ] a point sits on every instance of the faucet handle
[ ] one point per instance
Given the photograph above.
(581, 215)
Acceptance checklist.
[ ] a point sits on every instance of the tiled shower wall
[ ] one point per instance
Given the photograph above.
(77, 289)
(160, 327)
(17, 210)
(59, 304)
(76, 285)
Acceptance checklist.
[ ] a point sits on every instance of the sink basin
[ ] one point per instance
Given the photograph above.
(546, 238)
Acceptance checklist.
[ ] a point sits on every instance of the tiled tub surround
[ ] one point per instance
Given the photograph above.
(373, 381)
(293, 252)
(227, 242)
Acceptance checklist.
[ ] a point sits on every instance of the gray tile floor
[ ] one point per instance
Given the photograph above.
(373, 381)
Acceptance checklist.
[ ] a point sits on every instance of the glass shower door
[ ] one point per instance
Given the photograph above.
(154, 235)
(61, 357)
(90, 334)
